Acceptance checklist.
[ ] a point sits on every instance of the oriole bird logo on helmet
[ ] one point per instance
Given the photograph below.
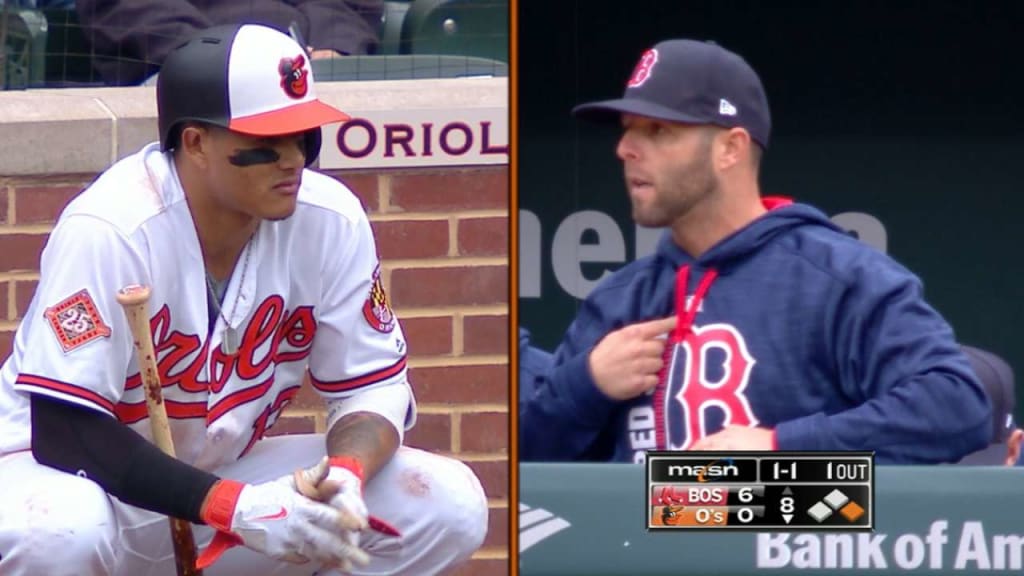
(293, 76)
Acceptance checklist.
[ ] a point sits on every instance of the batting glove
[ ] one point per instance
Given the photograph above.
(341, 490)
(345, 479)
(274, 519)
(338, 481)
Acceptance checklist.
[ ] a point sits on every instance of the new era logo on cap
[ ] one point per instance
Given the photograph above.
(725, 108)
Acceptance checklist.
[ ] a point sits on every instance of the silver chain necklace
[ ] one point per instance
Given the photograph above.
(229, 339)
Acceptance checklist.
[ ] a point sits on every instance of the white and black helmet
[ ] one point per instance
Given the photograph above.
(248, 78)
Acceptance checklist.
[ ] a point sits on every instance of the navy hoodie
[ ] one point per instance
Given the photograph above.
(533, 362)
(790, 324)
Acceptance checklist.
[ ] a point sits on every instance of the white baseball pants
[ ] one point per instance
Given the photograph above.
(57, 524)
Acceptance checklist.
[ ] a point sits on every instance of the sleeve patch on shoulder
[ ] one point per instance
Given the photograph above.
(377, 309)
(76, 321)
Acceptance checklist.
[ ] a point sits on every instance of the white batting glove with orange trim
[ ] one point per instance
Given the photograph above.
(274, 519)
(338, 481)
(345, 479)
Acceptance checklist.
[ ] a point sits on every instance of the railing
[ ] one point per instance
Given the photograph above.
(588, 519)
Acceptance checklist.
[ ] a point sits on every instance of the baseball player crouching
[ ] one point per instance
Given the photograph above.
(259, 270)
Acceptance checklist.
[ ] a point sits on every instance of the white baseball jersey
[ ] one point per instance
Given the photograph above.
(306, 292)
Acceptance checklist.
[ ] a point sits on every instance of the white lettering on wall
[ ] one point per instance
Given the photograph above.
(568, 250)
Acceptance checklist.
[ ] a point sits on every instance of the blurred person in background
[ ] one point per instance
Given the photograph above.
(129, 39)
(40, 4)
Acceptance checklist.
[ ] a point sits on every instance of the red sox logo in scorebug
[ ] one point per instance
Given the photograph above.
(294, 76)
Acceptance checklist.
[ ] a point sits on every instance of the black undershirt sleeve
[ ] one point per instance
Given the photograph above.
(78, 440)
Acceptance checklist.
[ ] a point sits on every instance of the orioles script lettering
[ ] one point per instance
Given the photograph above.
(273, 336)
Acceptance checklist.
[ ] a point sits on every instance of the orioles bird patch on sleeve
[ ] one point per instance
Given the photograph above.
(377, 310)
(76, 321)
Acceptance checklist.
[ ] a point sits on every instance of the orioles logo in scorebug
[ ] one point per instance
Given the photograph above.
(294, 76)
(376, 310)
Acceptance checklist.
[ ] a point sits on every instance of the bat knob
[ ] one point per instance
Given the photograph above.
(133, 294)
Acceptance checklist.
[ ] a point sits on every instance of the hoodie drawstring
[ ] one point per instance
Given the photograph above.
(685, 314)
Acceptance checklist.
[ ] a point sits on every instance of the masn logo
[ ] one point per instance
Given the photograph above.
(710, 472)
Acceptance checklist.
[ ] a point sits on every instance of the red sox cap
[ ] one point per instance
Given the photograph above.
(247, 78)
(692, 82)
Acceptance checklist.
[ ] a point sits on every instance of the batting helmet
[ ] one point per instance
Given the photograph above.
(248, 78)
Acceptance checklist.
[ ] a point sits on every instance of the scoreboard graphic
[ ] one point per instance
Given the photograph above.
(805, 491)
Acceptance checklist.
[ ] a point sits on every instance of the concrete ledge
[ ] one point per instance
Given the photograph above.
(82, 130)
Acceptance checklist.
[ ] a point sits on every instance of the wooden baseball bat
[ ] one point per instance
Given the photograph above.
(135, 301)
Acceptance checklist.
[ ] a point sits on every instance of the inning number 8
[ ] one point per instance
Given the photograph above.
(786, 506)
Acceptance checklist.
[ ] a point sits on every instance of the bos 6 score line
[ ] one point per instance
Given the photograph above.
(806, 491)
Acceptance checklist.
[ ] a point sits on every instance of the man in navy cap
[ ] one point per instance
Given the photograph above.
(757, 324)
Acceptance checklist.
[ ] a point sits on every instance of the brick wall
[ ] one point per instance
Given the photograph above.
(442, 237)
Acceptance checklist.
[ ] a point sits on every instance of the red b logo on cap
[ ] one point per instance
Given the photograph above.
(643, 68)
(293, 76)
